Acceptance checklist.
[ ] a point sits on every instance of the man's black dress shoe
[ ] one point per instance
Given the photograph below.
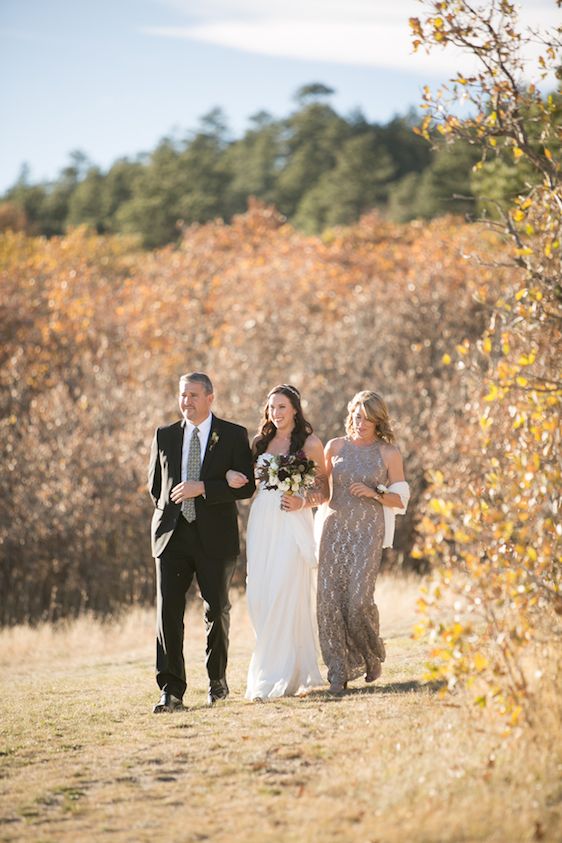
(218, 690)
(168, 703)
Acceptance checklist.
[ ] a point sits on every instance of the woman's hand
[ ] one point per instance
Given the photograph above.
(235, 479)
(361, 490)
(292, 503)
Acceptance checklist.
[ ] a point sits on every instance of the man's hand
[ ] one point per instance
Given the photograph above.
(186, 490)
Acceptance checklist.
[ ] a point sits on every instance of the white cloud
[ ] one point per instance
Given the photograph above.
(376, 45)
(354, 32)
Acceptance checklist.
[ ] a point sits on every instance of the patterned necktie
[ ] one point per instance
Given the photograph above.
(193, 470)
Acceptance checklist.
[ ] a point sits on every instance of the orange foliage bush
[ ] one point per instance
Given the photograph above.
(12, 217)
(95, 334)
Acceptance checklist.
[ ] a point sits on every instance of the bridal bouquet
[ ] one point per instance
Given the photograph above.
(290, 473)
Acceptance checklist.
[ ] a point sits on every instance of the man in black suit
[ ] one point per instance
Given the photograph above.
(195, 532)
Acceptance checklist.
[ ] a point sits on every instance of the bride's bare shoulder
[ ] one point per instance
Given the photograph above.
(313, 448)
(313, 441)
(334, 446)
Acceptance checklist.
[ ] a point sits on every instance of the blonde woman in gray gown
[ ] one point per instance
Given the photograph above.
(368, 490)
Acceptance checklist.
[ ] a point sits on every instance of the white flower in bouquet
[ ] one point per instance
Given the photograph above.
(288, 473)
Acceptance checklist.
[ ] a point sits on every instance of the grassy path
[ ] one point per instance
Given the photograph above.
(83, 759)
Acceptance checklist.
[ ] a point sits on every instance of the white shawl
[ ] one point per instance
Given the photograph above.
(390, 512)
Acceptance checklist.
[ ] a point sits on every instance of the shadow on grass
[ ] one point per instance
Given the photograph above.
(316, 695)
(412, 686)
(404, 687)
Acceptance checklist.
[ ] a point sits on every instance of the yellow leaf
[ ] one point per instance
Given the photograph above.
(480, 661)
(487, 345)
(418, 631)
(548, 153)
(521, 381)
(515, 714)
(437, 505)
(446, 359)
(415, 25)
(492, 394)
(519, 295)
(524, 251)
(517, 152)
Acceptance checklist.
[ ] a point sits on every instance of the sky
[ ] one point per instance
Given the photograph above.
(112, 77)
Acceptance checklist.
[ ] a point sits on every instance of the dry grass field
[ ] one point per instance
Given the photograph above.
(83, 759)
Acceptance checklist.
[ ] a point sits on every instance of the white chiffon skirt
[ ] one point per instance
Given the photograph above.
(281, 599)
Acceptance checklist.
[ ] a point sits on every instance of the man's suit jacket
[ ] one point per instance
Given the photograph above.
(216, 513)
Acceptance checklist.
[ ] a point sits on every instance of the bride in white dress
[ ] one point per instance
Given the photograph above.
(281, 558)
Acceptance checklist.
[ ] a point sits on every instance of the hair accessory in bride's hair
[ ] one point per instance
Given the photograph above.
(288, 387)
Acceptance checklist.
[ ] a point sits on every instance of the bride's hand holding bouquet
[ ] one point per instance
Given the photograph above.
(291, 474)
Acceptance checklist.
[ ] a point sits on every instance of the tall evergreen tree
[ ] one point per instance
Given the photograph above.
(358, 182)
(253, 163)
(151, 210)
(85, 206)
(312, 139)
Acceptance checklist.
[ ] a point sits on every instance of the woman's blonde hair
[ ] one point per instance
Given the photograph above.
(375, 411)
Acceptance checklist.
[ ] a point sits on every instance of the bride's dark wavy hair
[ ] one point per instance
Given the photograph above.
(267, 430)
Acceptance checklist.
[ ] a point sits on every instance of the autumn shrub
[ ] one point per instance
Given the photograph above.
(12, 217)
(95, 334)
(491, 525)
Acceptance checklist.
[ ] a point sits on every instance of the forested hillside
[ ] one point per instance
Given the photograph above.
(319, 168)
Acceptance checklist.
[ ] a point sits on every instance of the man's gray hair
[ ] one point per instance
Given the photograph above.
(198, 377)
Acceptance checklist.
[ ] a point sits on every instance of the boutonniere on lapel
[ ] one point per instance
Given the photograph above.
(214, 440)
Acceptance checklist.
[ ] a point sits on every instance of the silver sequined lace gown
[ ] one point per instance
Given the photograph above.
(349, 561)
